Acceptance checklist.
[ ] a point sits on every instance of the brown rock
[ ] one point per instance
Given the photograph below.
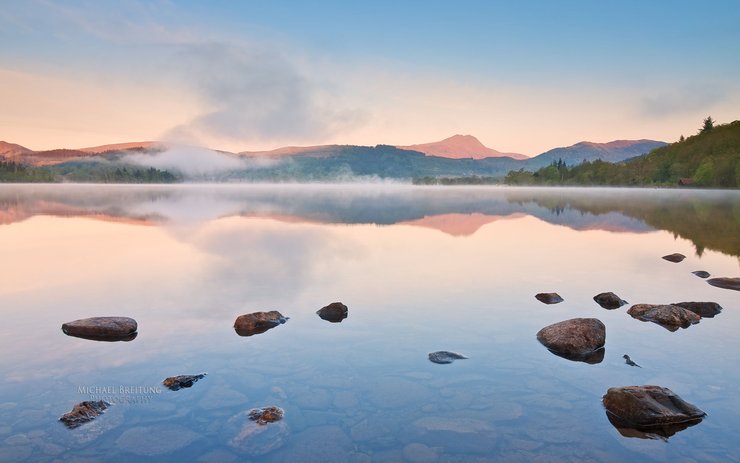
(334, 312)
(258, 322)
(649, 410)
(675, 257)
(175, 383)
(702, 309)
(670, 317)
(83, 412)
(576, 339)
(548, 298)
(266, 415)
(102, 328)
(726, 283)
(609, 301)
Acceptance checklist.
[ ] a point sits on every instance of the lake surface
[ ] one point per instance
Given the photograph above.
(421, 269)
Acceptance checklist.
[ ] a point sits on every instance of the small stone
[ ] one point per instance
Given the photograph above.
(334, 312)
(444, 357)
(702, 274)
(102, 328)
(670, 317)
(548, 298)
(675, 257)
(609, 301)
(702, 309)
(258, 322)
(83, 412)
(175, 383)
(726, 283)
(266, 415)
(578, 339)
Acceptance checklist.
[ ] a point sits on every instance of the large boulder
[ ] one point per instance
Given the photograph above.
(726, 283)
(579, 339)
(258, 322)
(83, 412)
(548, 298)
(102, 328)
(675, 257)
(649, 411)
(702, 309)
(609, 301)
(670, 317)
(334, 312)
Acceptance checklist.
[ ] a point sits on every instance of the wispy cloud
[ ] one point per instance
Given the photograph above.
(686, 100)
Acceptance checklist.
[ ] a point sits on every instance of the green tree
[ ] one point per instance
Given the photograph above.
(708, 125)
(681, 139)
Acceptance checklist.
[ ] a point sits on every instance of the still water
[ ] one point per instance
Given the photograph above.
(421, 269)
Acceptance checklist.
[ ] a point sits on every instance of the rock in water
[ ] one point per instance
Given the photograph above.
(701, 274)
(266, 415)
(334, 312)
(702, 309)
(252, 438)
(258, 322)
(580, 339)
(609, 301)
(549, 298)
(83, 412)
(102, 328)
(649, 410)
(726, 283)
(175, 383)
(675, 257)
(670, 317)
(443, 357)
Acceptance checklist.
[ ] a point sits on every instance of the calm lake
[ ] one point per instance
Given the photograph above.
(421, 270)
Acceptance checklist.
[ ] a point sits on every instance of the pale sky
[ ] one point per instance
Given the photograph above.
(523, 76)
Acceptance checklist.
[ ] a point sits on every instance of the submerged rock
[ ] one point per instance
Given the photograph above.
(649, 411)
(670, 317)
(702, 309)
(549, 298)
(580, 339)
(266, 415)
(102, 328)
(702, 274)
(726, 283)
(675, 257)
(252, 438)
(84, 412)
(334, 312)
(258, 322)
(444, 357)
(609, 301)
(175, 383)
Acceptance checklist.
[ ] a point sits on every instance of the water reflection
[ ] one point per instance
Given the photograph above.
(662, 432)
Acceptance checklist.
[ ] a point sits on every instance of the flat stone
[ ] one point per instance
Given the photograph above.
(580, 339)
(702, 309)
(609, 301)
(102, 328)
(334, 312)
(675, 257)
(650, 410)
(726, 283)
(83, 412)
(548, 298)
(702, 274)
(670, 317)
(175, 383)
(155, 440)
(258, 322)
(443, 357)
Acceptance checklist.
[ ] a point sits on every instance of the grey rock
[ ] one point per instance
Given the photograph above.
(334, 312)
(726, 283)
(675, 257)
(702, 309)
(84, 412)
(548, 298)
(702, 274)
(670, 317)
(443, 357)
(609, 301)
(175, 383)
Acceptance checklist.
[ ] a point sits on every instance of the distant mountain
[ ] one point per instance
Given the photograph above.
(293, 151)
(137, 145)
(10, 150)
(613, 151)
(460, 147)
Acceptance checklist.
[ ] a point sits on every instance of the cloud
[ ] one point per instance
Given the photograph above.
(686, 100)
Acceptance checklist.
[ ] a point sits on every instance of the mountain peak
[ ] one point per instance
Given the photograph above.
(460, 147)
